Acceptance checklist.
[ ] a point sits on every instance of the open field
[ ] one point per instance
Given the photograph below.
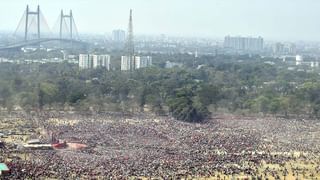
(145, 146)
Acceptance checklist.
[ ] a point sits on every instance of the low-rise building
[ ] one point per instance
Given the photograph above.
(4, 170)
(170, 64)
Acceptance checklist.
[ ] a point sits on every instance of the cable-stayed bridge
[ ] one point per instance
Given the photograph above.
(33, 29)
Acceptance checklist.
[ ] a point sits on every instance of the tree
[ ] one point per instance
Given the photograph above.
(262, 104)
(6, 94)
(275, 105)
(47, 94)
(284, 103)
(186, 106)
(209, 94)
(310, 92)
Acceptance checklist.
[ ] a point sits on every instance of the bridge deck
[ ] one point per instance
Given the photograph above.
(37, 41)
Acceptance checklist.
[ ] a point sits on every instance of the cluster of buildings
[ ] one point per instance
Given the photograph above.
(128, 63)
(283, 49)
(244, 43)
(93, 61)
(300, 61)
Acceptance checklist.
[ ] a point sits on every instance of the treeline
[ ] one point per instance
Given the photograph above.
(187, 94)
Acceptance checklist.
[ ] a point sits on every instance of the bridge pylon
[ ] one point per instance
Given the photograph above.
(67, 22)
(28, 15)
(32, 25)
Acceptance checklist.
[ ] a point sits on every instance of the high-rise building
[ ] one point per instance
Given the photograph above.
(101, 61)
(292, 49)
(279, 48)
(85, 62)
(92, 61)
(130, 63)
(244, 43)
(118, 35)
(127, 63)
(143, 61)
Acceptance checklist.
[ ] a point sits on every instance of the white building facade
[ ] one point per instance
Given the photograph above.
(85, 62)
(143, 62)
(244, 43)
(127, 63)
(100, 61)
(92, 61)
(135, 62)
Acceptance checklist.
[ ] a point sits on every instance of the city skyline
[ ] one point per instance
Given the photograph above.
(273, 20)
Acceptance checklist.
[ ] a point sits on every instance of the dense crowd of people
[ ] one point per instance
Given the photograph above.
(124, 146)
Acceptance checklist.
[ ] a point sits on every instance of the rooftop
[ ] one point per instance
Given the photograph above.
(3, 167)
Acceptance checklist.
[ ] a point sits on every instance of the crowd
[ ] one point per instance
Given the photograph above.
(124, 146)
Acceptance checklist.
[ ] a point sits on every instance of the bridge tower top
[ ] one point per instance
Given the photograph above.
(33, 26)
(27, 23)
(67, 24)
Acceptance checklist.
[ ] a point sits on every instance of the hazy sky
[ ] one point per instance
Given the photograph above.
(272, 19)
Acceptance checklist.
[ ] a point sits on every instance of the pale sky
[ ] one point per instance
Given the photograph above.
(271, 19)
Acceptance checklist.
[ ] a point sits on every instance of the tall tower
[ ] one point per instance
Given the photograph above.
(27, 23)
(128, 61)
(67, 20)
(130, 43)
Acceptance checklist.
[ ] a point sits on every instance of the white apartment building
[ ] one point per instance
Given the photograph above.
(143, 62)
(92, 61)
(127, 63)
(244, 43)
(85, 62)
(101, 61)
(135, 62)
